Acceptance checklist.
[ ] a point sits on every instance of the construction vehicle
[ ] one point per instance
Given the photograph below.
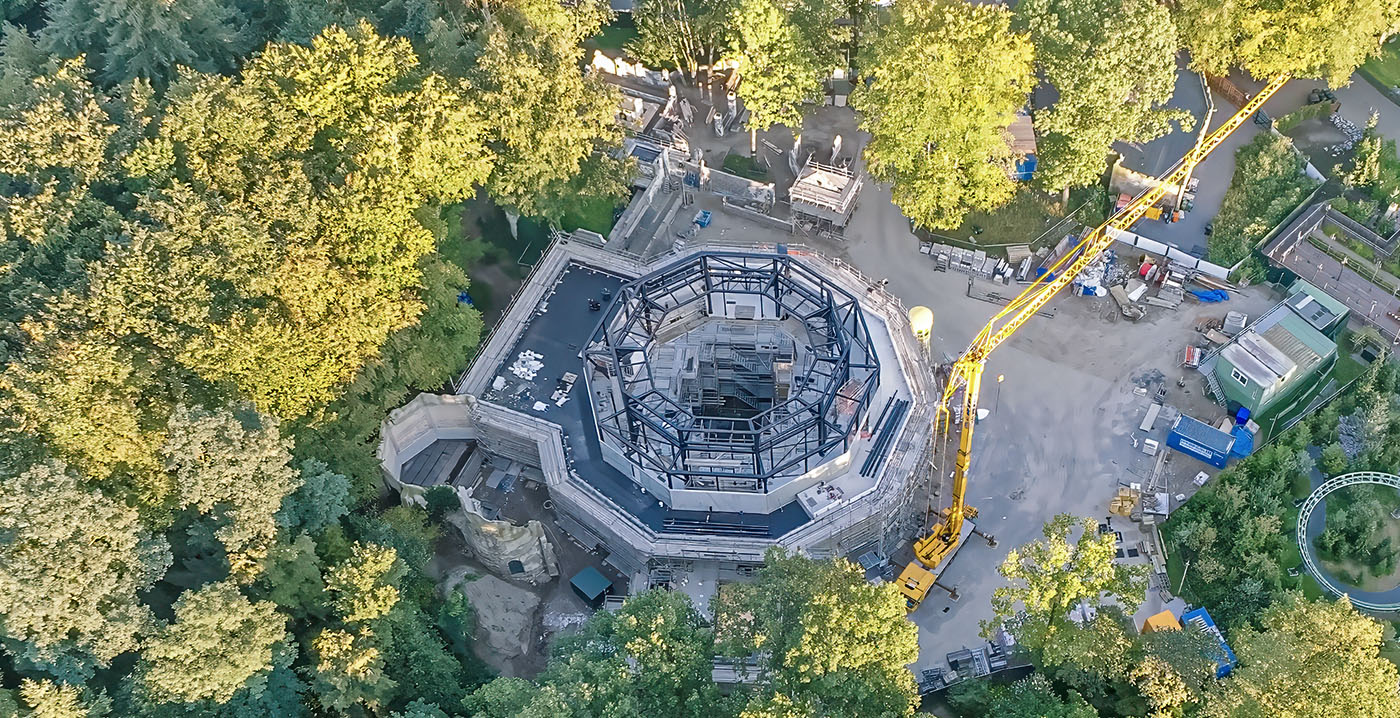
(964, 379)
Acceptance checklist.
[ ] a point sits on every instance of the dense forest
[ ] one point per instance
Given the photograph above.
(221, 266)
(220, 270)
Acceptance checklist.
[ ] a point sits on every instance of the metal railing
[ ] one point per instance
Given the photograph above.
(1305, 513)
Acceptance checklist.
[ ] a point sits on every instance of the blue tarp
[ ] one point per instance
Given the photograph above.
(1210, 296)
(1025, 169)
(1224, 658)
(1244, 442)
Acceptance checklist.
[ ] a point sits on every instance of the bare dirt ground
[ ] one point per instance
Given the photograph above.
(1060, 436)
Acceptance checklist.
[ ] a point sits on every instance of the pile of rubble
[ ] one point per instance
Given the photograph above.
(1350, 132)
(1161, 284)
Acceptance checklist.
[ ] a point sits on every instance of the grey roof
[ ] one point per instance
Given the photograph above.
(559, 332)
(437, 463)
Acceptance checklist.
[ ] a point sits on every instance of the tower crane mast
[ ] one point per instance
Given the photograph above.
(965, 374)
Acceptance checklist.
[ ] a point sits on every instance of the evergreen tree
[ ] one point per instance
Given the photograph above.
(150, 39)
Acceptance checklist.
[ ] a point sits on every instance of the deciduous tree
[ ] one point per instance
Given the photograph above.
(236, 467)
(73, 564)
(683, 34)
(545, 117)
(364, 586)
(826, 637)
(1113, 65)
(1318, 659)
(777, 70)
(349, 670)
(1050, 577)
(943, 144)
(218, 643)
(1301, 38)
(47, 699)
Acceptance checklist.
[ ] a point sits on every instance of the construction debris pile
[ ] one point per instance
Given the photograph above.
(1155, 282)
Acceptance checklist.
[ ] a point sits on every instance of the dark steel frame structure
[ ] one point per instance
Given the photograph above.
(826, 404)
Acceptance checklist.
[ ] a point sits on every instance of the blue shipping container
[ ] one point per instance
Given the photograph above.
(1201, 440)
(1224, 658)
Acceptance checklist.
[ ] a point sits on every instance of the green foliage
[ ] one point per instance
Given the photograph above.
(422, 666)
(1032, 697)
(547, 120)
(1052, 576)
(1315, 659)
(1315, 111)
(419, 709)
(168, 257)
(943, 144)
(1325, 39)
(777, 71)
(54, 154)
(683, 34)
(1354, 529)
(824, 635)
(319, 501)
(1113, 64)
(364, 586)
(746, 167)
(292, 578)
(235, 467)
(218, 643)
(441, 500)
(1333, 460)
(349, 670)
(73, 564)
(46, 699)
(1374, 168)
(1268, 184)
(1233, 533)
(404, 528)
(126, 39)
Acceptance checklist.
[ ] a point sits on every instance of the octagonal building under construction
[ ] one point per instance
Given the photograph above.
(695, 409)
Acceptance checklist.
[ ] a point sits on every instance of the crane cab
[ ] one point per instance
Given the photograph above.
(915, 582)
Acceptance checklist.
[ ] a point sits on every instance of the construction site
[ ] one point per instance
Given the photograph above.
(736, 366)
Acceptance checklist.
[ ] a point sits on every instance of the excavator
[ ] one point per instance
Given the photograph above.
(938, 544)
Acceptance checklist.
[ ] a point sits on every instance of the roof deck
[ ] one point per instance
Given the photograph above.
(531, 378)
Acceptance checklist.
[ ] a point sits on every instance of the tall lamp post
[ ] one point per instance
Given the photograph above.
(997, 403)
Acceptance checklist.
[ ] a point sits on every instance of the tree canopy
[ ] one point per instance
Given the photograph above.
(777, 69)
(944, 145)
(218, 643)
(1301, 38)
(830, 642)
(1050, 577)
(1309, 658)
(1113, 66)
(73, 564)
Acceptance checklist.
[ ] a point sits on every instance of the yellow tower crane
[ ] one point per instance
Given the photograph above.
(965, 376)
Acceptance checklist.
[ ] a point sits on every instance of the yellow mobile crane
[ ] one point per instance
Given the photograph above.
(965, 375)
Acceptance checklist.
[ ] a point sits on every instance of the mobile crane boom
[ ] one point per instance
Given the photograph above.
(965, 374)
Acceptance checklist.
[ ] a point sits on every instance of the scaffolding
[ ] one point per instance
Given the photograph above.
(729, 370)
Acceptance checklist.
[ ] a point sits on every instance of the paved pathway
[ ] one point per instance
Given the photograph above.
(1317, 523)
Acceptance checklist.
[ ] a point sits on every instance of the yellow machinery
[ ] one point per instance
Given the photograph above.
(965, 375)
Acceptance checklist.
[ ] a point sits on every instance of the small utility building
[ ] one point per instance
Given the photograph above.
(825, 195)
(591, 585)
(1280, 355)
